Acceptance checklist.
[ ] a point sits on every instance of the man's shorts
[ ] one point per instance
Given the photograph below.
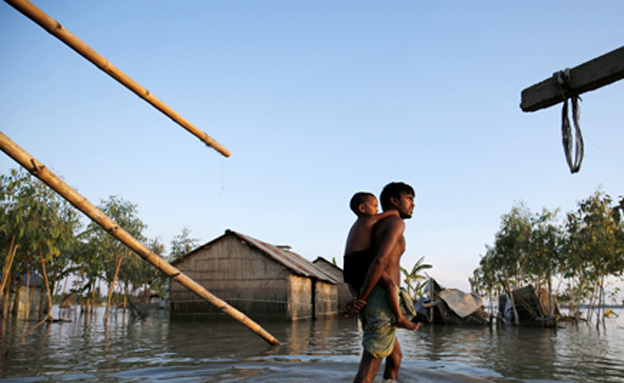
(378, 322)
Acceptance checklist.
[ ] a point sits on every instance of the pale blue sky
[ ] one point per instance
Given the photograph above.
(316, 100)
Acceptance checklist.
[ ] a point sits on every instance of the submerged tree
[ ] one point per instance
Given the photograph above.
(527, 249)
(108, 249)
(504, 262)
(545, 252)
(595, 249)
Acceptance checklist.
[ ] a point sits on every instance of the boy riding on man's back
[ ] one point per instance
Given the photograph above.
(359, 255)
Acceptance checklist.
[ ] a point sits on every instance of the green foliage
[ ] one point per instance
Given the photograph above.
(42, 224)
(595, 247)
(414, 279)
(181, 244)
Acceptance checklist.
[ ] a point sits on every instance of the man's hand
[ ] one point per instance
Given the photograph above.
(353, 307)
(359, 304)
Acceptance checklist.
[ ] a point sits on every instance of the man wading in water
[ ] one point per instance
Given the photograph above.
(379, 338)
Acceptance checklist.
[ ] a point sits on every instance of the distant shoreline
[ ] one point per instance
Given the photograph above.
(604, 306)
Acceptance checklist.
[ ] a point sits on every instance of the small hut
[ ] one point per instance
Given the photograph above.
(344, 294)
(529, 307)
(259, 279)
(26, 297)
(450, 307)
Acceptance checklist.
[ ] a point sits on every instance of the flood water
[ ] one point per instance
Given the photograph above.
(157, 349)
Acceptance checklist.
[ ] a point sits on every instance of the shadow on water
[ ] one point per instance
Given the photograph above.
(158, 349)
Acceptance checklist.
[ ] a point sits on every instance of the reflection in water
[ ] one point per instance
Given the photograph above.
(159, 350)
(225, 340)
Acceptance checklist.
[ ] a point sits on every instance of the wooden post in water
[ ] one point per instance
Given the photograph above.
(56, 29)
(82, 204)
(433, 299)
(507, 287)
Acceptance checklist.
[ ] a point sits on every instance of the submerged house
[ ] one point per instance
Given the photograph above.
(450, 306)
(259, 279)
(528, 307)
(26, 298)
(344, 294)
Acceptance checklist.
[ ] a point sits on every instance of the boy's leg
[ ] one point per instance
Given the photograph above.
(393, 302)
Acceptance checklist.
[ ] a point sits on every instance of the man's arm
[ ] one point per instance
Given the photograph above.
(391, 236)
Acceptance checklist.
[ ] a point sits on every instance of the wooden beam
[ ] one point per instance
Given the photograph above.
(56, 29)
(81, 203)
(586, 77)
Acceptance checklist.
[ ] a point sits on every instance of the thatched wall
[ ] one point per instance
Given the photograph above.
(299, 297)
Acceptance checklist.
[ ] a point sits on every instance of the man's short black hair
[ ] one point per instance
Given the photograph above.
(396, 190)
(358, 199)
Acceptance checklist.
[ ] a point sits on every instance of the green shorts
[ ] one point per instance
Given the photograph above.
(378, 322)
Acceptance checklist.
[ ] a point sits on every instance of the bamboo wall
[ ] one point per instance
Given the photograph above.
(325, 300)
(299, 298)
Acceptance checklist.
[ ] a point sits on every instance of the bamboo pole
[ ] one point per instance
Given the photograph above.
(82, 204)
(56, 29)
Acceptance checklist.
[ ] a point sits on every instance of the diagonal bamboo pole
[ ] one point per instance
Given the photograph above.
(56, 29)
(82, 204)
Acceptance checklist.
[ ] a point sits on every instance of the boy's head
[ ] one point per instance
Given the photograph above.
(394, 190)
(363, 203)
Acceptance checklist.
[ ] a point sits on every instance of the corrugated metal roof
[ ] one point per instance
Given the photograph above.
(293, 261)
